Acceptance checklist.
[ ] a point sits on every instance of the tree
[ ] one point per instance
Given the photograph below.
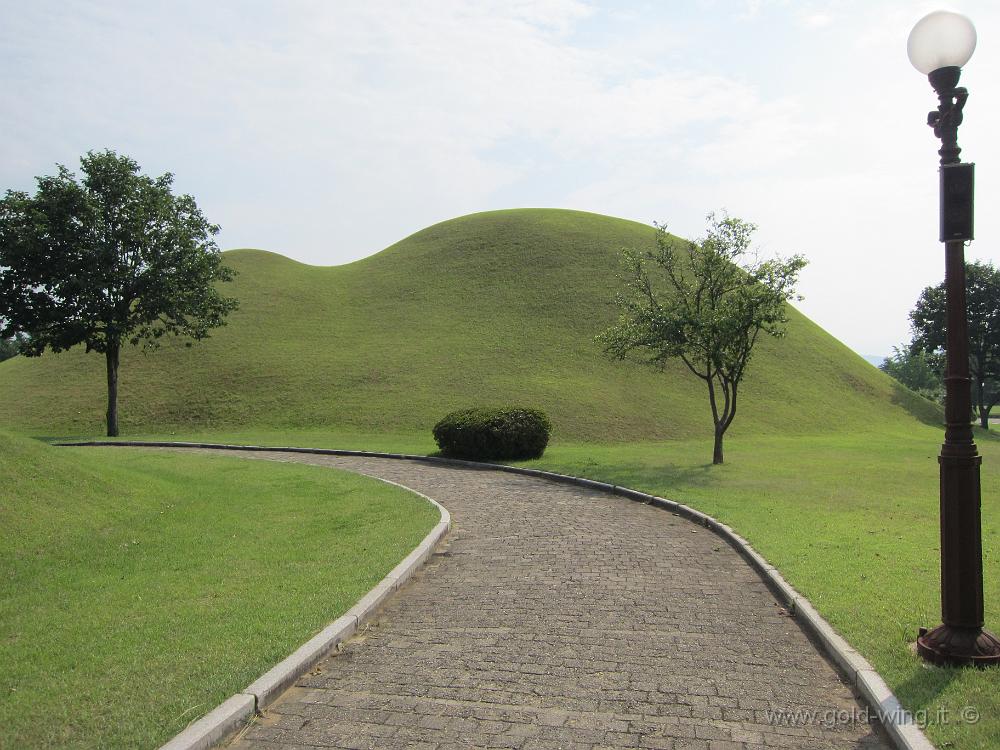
(929, 323)
(705, 303)
(917, 370)
(115, 259)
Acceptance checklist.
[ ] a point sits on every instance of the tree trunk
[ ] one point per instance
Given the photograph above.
(721, 420)
(984, 417)
(111, 356)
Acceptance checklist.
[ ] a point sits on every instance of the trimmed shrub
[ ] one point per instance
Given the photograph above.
(502, 434)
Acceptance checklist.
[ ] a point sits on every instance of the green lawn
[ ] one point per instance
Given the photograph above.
(138, 590)
(851, 521)
(417, 443)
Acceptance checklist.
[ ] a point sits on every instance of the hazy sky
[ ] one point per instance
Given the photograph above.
(327, 130)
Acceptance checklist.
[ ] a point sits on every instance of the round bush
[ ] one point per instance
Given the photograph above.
(493, 434)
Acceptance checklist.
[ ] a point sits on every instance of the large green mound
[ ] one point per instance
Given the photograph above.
(133, 599)
(492, 308)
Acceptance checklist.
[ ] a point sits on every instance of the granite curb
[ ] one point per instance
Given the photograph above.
(898, 723)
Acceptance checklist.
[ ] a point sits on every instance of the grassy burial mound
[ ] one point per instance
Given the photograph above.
(133, 599)
(487, 309)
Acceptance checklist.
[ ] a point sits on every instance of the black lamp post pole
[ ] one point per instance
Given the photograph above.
(961, 638)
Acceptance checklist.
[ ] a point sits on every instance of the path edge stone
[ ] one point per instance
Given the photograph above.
(216, 725)
(885, 706)
(266, 688)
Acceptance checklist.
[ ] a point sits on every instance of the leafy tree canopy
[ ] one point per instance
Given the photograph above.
(115, 258)
(929, 323)
(917, 370)
(706, 303)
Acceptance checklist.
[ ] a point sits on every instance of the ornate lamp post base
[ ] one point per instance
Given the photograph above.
(959, 647)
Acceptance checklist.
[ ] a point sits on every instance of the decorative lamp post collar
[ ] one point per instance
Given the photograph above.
(938, 46)
(948, 116)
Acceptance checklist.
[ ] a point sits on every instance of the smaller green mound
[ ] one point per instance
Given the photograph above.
(138, 589)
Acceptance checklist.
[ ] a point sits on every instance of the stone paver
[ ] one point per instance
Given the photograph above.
(561, 617)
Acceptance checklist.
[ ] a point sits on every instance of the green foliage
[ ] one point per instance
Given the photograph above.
(503, 434)
(134, 599)
(492, 308)
(114, 259)
(929, 322)
(918, 370)
(706, 304)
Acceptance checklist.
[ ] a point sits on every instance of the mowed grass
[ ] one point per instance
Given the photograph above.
(851, 521)
(139, 589)
(493, 308)
(416, 443)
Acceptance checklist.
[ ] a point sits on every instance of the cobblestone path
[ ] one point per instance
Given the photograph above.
(559, 617)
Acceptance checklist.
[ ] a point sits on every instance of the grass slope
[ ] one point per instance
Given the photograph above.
(490, 308)
(133, 599)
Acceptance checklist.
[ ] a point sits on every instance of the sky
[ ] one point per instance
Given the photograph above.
(327, 130)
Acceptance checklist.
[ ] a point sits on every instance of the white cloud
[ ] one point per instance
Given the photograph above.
(816, 20)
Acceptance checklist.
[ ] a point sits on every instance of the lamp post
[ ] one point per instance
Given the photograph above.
(939, 45)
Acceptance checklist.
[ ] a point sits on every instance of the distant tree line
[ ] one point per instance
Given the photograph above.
(920, 365)
(917, 370)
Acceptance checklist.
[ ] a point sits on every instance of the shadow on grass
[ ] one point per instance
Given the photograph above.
(987, 436)
(925, 686)
(658, 478)
(50, 439)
